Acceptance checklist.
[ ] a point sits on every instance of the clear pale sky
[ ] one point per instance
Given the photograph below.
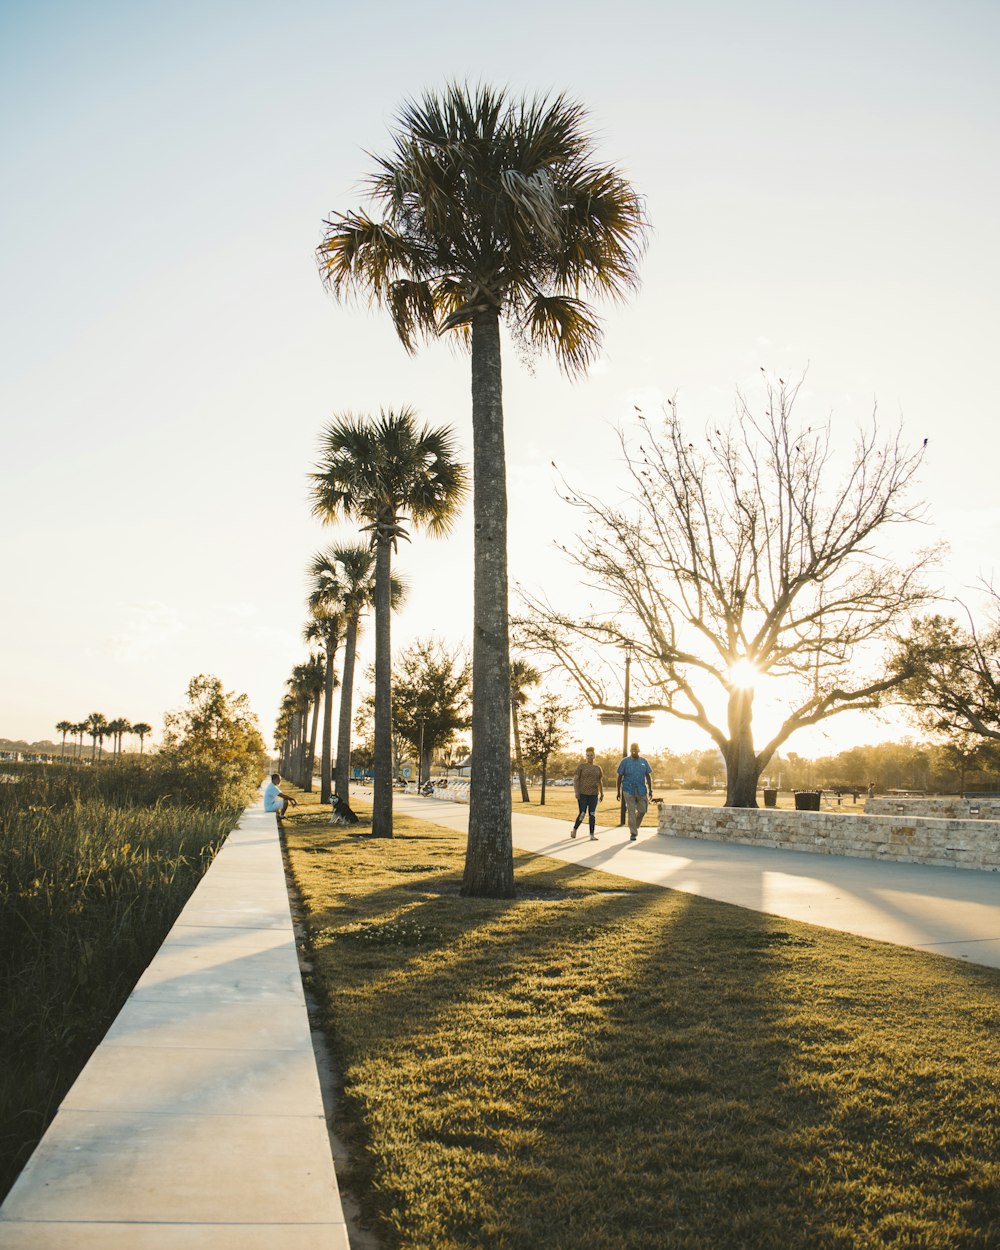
(822, 181)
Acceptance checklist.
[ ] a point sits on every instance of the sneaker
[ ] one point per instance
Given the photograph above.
(593, 837)
(632, 837)
(573, 833)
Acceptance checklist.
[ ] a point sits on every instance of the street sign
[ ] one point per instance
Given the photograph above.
(637, 720)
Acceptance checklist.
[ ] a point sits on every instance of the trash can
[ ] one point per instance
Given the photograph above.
(770, 798)
(807, 800)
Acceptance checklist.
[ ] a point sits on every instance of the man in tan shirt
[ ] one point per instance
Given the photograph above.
(588, 786)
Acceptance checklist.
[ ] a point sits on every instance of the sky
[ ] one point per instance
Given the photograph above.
(822, 184)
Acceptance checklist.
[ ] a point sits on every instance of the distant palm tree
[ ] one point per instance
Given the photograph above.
(385, 473)
(116, 730)
(64, 727)
(300, 687)
(325, 626)
(351, 569)
(141, 729)
(312, 677)
(493, 210)
(97, 727)
(522, 674)
(80, 729)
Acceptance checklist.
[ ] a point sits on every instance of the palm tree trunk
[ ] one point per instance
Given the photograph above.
(311, 764)
(382, 798)
(517, 751)
(346, 710)
(489, 859)
(325, 788)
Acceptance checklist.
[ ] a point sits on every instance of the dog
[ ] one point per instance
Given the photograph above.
(341, 813)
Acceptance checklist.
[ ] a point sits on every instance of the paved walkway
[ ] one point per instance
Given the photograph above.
(950, 911)
(198, 1123)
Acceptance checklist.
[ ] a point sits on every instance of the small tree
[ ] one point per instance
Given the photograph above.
(522, 675)
(952, 680)
(545, 733)
(430, 698)
(748, 559)
(216, 736)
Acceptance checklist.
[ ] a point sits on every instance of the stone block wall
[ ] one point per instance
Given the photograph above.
(953, 808)
(950, 843)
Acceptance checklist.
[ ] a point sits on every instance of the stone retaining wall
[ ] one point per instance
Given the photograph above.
(954, 808)
(920, 840)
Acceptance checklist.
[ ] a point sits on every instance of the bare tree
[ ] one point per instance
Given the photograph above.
(748, 558)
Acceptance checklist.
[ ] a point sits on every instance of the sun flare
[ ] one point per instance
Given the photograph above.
(744, 674)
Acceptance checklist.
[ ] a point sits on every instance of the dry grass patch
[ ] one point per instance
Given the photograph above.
(604, 1063)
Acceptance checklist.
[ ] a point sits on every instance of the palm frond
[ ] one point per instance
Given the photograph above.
(565, 326)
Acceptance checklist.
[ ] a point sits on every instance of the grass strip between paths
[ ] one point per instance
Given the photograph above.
(610, 1064)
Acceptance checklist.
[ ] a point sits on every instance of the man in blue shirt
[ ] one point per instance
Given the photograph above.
(635, 781)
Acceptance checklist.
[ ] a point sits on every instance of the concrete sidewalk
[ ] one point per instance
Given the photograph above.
(950, 911)
(198, 1123)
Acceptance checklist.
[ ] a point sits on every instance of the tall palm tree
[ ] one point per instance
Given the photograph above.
(141, 729)
(522, 674)
(351, 568)
(312, 677)
(325, 626)
(64, 727)
(97, 727)
(300, 687)
(386, 473)
(492, 209)
(80, 729)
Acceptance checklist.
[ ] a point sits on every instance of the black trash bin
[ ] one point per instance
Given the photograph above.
(807, 800)
(770, 798)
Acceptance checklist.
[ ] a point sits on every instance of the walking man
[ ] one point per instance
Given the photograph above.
(588, 786)
(635, 781)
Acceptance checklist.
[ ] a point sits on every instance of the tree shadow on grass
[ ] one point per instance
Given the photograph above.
(599, 1062)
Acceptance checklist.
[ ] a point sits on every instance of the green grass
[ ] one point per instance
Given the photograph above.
(88, 891)
(608, 1064)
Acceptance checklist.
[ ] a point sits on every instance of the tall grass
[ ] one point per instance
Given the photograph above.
(89, 887)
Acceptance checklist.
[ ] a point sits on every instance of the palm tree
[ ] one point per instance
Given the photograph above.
(80, 728)
(351, 568)
(116, 730)
(97, 727)
(141, 729)
(64, 727)
(325, 626)
(522, 674)
(387, 473)
(300, 688)
(312, 676)
(493, 209)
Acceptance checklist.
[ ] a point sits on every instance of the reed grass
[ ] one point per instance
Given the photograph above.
(88, 890)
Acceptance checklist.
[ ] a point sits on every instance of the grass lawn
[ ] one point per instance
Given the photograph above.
(602, 1063)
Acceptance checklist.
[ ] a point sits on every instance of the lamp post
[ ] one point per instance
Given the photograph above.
(625, 718)
(624, 715)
